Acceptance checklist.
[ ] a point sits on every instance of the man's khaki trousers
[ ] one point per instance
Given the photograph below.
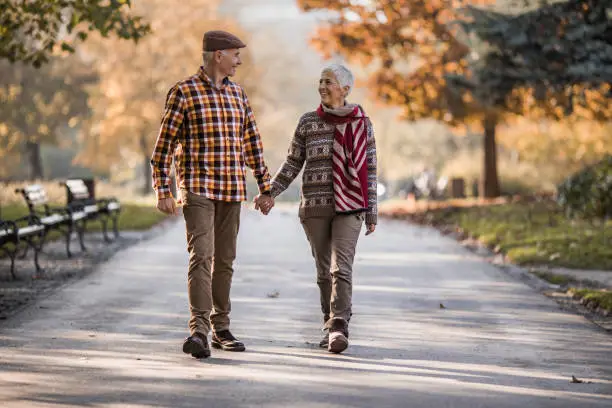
(333, 241)
(212, 230)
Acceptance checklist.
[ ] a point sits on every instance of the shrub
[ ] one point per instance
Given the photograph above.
(588, 193)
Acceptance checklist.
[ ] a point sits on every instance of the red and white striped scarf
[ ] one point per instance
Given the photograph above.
(350, 168)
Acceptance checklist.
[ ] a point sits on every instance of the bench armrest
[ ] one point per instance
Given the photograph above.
(30, 219)
(107, 200)
(75, 206)
(60, 210)
(9, 226)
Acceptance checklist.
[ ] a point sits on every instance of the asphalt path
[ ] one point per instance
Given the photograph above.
(113, 339)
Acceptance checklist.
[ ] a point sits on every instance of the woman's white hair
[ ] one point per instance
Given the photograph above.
(342, 74)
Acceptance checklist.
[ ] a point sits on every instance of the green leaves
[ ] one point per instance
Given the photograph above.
(67, 47)
(559, 50)
(32, 30)
(410, 50)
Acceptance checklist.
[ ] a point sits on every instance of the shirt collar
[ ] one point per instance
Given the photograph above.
(202, 74)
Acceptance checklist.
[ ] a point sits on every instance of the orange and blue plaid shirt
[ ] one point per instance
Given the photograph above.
(211, 134)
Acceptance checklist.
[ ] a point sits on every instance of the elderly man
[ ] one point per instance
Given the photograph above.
(209, 129)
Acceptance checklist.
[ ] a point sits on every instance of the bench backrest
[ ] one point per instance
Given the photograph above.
(34, 195)
(77, 190)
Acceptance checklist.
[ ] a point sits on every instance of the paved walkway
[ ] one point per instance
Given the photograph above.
(113, 339)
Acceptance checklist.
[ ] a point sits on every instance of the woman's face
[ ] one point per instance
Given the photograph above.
(332, 94)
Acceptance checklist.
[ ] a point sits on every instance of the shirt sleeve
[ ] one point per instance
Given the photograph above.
(161, 160)
(372, 213)
(253, 149)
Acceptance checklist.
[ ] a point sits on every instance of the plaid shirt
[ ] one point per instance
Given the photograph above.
(212, 134)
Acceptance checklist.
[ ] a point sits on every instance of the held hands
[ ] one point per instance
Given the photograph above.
(263, 203)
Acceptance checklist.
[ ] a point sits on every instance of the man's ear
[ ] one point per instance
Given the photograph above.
(346, 90)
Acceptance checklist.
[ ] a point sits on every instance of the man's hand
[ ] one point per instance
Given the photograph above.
(370, 228)
(167, 206)
(264, 203)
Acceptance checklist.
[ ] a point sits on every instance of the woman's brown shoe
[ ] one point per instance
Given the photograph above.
(325, 340)
(338, 335)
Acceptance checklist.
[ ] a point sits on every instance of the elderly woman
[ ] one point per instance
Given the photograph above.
(335, 145)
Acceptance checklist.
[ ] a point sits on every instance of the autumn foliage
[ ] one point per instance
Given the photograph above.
(464, 63)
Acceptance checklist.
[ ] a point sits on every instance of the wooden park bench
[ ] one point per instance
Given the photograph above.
(79, 198)
(26, 230)
(62, 219)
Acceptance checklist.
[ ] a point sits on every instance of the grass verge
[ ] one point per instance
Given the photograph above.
(594, 299)
(555, 279)
(528, 233)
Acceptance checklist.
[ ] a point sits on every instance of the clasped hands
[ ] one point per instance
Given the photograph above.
(263, 203)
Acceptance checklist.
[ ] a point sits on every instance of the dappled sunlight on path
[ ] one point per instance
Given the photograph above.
(433, 326)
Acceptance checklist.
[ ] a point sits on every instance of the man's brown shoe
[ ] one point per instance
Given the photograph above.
(225, 340)
(197, 346)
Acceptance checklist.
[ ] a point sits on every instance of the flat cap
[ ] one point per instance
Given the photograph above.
(220, 40)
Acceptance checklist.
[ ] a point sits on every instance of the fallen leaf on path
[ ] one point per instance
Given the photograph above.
(273, 294)
(577, 381)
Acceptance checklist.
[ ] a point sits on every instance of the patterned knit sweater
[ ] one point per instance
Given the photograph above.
(311, 148)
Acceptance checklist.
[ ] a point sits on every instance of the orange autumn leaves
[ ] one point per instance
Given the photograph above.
(408, 49)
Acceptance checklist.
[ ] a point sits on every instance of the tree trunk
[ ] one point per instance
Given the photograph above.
(34, 160)
(490, 181)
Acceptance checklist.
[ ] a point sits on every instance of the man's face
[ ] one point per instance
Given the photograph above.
(228, 60)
